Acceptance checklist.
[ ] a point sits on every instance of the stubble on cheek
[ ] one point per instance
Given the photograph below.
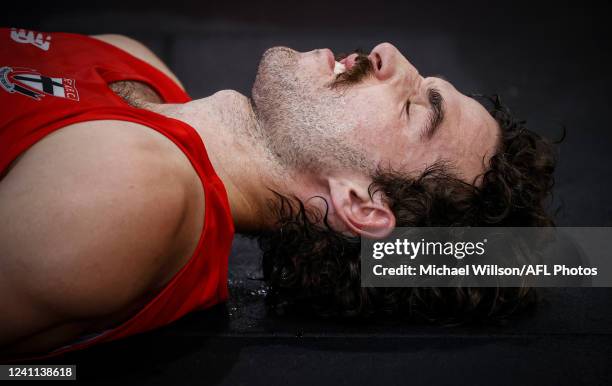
(306, 125)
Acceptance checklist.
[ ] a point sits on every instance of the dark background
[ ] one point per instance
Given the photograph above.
(549, 62)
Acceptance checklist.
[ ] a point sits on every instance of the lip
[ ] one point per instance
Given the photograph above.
(349, 61)
(330, 58)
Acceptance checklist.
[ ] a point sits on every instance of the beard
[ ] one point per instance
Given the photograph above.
(305, 123)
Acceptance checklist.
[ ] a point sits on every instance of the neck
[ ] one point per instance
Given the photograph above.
(229, 129)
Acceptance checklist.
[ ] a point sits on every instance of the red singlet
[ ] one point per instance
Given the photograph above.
(51, 80)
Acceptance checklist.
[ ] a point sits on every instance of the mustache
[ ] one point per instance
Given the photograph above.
(360, 69)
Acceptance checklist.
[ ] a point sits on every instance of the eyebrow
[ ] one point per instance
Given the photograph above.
(436, 114)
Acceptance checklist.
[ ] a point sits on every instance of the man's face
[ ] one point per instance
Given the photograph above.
(391, 117)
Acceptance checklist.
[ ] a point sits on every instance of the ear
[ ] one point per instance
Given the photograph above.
(365, 216)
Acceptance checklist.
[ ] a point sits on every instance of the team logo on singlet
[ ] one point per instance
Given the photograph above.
(37, 39)
(34, 85)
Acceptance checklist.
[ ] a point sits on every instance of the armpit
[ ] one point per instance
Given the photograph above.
(135, 93)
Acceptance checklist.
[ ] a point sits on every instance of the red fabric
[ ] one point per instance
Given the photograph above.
(27, 114)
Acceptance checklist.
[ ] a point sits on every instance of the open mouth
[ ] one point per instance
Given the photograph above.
(347, 62)
(339, 68)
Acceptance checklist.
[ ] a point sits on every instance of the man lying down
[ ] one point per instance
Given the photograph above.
(120, 196)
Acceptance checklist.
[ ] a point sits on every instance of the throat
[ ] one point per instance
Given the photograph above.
(228, 126)
(134, 93)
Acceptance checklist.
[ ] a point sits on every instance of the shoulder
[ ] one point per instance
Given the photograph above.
(98, 215)
(139, 50)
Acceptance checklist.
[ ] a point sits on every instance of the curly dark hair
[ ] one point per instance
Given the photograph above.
(316, 268)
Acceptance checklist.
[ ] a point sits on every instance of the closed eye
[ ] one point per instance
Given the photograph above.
(436, 114)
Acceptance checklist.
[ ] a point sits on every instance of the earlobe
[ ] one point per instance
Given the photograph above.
(363, 215)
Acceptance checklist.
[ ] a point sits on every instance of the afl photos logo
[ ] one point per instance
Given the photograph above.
(34, 85)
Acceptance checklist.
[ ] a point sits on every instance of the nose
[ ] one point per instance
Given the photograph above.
(384, 58)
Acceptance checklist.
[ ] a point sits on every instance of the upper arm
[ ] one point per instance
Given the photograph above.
(86, 233)
(140, 51)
